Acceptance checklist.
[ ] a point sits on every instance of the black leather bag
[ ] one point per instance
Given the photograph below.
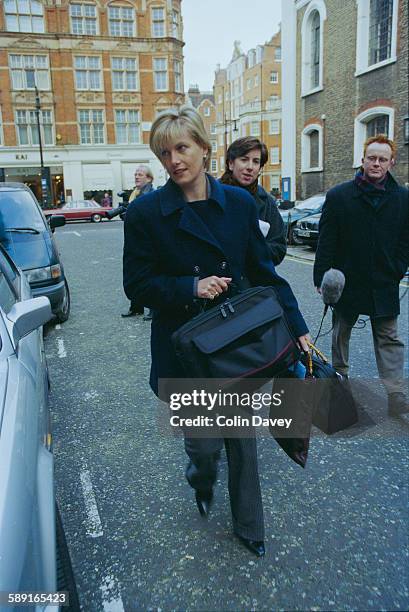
(246, 336)
(334, 407)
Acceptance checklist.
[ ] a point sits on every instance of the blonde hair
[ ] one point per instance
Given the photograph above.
(172, 124)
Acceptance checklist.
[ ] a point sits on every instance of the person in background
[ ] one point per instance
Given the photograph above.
(244, 161)
(106, 200)
(143, 185)
(184, 245)
(364, 232)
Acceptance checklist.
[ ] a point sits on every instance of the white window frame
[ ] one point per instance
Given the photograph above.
(306, 43)
(122, 21)
(155, 72)
(213, 165)
(175, 24)
(362, 38)
(19, 17)
(214, 146)
(272, 131)
(92, 143)
(127, 123)
(206, 111)
(84, 18)
(157, 21)
(274, 77)
(306, 148)
(177, 71)
(124, 70)
(213, 128)
(360, 129)
(87, 70)
(255, 128)
(32, 126)
(275, 178)
(272, 157)
(20, 72)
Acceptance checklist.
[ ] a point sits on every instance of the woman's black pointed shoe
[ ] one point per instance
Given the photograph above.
(204, 501)
(254, 546)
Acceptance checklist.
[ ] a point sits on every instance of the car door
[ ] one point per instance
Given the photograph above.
(27, 507)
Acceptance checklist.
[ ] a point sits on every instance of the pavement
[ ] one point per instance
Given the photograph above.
(336, 532)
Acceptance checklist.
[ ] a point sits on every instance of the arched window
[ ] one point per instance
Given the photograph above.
(376, 33)
(312, 148)
(373, 121)
(24, 16)
(312, 47)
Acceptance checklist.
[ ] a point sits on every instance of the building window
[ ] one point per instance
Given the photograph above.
(255, 128)
(274, 125)
(275, 182)
(160, 72)
(274, 155)
(220, 98)
(256, 81)
(312, 148)
(122, 21)
(127, 127)
(206, 111)
(24, 16)
(248, 84)
(312, 34)
(87, 72)
(1, 129)
(177, 67)
(277, 54)
(213, 165)
(274, 76)
(83, 18)
(124, 74)
(175, 24)
(377, 24)
(158, 22)
(91, 126)
(214, 146)
(28, 71)
(213, 128)
(373, 121)
(27, 129)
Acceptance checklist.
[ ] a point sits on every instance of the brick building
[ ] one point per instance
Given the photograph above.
(345, 77)
(203, 102)
(103, 70)
(248, 102)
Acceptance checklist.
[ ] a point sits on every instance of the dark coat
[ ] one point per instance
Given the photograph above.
(167, 245)
(268, 211)
(369, 242)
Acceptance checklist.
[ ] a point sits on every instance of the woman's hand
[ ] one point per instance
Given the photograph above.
(303, 342)
(212, 286)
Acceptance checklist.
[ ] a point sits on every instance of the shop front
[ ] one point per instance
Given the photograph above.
(31, 176)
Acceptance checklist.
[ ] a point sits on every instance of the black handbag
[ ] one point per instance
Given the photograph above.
(334, 407)
(246, 336)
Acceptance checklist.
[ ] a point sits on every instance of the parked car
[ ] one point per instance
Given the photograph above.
(28, 238)
(301, 210)
(81, 210)
(27, 502)
(306, 230)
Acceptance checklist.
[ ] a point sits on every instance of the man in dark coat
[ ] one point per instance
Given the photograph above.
(364, 232)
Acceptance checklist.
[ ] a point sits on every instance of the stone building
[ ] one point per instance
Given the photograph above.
(248, 102)
(203, 101)
(103, 69)
(345, 77)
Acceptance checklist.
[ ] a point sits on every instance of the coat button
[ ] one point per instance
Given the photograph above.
(223, 265)
(196, 269)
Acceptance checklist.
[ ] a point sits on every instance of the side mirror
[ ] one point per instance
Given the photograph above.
(28, 315)
(56, 221)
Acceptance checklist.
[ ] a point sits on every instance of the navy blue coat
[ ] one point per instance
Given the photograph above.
(167, 245)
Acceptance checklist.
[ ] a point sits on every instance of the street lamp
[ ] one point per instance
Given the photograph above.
(43, 174)
(228, 122)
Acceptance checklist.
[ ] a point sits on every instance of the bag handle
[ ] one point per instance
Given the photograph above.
(315, 350)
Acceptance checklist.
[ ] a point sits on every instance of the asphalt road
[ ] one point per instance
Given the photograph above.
(336, 533)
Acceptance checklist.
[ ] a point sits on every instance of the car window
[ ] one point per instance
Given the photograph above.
(18, 209)
(311, 203)
(7, 296)
(11, 272)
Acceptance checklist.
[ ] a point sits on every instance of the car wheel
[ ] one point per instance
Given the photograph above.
(64, 312)
(295, 239)
(97, 218)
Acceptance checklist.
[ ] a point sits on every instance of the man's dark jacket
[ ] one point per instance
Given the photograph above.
(268, 211)
(168, 244)
(367, 238)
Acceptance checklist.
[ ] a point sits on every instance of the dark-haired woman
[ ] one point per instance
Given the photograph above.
(245, 158)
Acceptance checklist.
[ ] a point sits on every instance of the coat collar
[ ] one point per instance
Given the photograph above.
(171, 196)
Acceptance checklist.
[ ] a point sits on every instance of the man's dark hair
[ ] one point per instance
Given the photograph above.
(242, 146)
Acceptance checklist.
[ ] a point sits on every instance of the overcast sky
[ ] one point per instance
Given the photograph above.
(212, 26)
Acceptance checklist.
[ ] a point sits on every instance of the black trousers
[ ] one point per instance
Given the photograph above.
(243, 480)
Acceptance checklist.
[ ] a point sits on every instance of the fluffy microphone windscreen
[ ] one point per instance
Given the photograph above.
(332, 286)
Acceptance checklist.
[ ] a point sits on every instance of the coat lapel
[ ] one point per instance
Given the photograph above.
(192, 224)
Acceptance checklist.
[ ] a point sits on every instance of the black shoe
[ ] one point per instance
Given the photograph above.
(254, 546)
(131, 313)
(397, 404)
(204, 501)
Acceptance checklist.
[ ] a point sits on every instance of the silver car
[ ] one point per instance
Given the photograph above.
(27, 500)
